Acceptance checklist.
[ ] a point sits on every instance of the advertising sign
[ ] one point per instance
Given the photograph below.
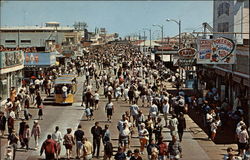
(40, 59)
(10, 59)
(186, 57)
(187, 52)
(216, 51)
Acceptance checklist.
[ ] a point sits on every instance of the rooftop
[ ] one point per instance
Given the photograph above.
(38, 28)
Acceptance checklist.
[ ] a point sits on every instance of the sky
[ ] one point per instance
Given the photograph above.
(122, 17)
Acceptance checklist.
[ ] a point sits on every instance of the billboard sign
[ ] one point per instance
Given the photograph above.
(10, 59)
(40, 59)
(216, 51)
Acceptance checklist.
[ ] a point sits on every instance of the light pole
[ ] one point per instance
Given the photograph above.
(144, 38)
(150, 39)
(161, 26)
(179, 24)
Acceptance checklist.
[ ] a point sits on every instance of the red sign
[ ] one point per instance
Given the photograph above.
(187, 52)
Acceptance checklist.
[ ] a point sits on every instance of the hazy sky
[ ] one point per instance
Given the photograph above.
(123, 17)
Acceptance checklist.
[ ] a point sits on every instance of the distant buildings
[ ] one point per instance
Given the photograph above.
(39, 36)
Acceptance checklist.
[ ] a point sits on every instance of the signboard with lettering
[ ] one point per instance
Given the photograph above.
(10, 59)
(187, 52)
(216, 51)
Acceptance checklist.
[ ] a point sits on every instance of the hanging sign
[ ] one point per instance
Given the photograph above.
(216, 51)
(187, 52)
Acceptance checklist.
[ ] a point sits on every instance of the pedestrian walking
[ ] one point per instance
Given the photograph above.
(50, 148)
(150, 147)
(158, 129)
(243, 140)
(64, 93)
(124, 136)
(22, 125)
(173, 125)
(10, 123)
(134, 111)
(163, 149)
(84, 96)
(32, 92)
(3, 121)
(26, 100)
(174, 149)
(166, 108)
(12, 140)
(96, 131)
(40, 112)
(26, 113)
(57, 137)
(8, 107)
(149, 126)
(89, 113)
(13, 94)
(143, 136)
(181, 125)
(153, 111)
(38, 100)
(106, 135)
(26, 136)
(68, 143)
(17, 107)
(108, 150)
(214, 126)
(78, 135)
(120, 155)
(88, 96)
(87, 149)
(36, 132)
(109, 108)
(96, 99)
(136, 155)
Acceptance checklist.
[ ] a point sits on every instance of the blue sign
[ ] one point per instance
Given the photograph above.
(41, 59)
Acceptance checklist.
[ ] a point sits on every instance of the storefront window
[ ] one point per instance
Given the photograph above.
(3, 89)
(18, 78)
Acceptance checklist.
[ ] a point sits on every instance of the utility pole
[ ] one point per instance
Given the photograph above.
(161, 26)
(144, 34)
(150, 39)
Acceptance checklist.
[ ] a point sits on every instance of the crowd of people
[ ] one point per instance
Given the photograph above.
(132, 77)
(26, 50)
(123, 74)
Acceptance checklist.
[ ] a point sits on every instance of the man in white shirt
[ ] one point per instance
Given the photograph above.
(181, 103)
(209, 120)
(96, 98)
(153, 111)
(124, 136)
(8, 107)
(37, 84)
(57, 136)
(64, 92)
(126, 93)
(134, 111)
(165, 110)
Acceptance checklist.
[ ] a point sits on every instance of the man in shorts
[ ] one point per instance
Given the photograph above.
(78, 137)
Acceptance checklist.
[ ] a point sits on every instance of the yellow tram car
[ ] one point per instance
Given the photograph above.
(65, 88)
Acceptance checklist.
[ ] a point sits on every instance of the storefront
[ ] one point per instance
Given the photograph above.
(11, 65)
(36, 64)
